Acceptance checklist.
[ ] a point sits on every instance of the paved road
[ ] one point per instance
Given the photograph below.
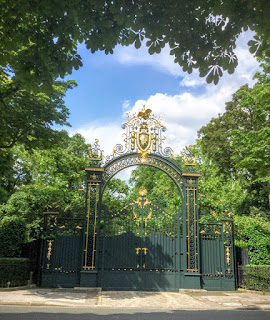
(56, 313)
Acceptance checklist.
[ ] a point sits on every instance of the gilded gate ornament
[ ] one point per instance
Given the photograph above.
(189, 158)
(144, 135)
(95, 153)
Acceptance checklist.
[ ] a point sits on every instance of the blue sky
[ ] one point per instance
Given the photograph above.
(110, 85)
(104, 85)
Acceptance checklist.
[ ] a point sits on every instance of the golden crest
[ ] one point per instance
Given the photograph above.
(143, 138)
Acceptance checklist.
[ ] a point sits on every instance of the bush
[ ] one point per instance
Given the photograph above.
(14, 270)
(253, 233)
(258, 246)
(258, 277)
(12, 236)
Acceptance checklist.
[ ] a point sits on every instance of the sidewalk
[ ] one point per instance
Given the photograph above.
(184, 300)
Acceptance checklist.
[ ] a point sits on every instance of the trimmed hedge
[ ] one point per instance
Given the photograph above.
(12, 236)
(15, 271)
(257, 277)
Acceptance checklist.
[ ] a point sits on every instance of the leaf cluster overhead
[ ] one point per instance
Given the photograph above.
(39, 38)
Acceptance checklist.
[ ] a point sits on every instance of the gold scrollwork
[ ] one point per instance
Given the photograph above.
(144, 134)
(142, 191)
(228, 255)
(49, 253)
(145, 251)
(191, 181)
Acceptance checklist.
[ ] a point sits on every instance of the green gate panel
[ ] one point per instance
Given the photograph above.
(62, 269)
(217, 261)
(140, 248)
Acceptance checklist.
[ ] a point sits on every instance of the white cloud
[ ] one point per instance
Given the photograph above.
(125, 174)
(163, 61)
(108, 134)
(182, 114)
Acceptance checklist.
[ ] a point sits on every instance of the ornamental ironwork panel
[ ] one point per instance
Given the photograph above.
(90, 241)
(217, 250)
(191, 229)
(61, 253)
(227, 231)
(212, 250)
(132, 159)
(140, 237)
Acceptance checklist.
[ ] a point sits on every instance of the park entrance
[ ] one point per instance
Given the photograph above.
(141, 246)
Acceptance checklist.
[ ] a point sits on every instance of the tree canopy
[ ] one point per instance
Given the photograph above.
(27, 118)
(238, 141)
(39, 38)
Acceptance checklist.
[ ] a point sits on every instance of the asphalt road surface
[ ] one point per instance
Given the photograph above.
(55, 313)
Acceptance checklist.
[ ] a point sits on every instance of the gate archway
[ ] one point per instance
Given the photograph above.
(143, 142)
(129, 252)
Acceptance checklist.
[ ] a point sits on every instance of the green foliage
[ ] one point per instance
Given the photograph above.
(27, 117)
(238, 141)
(46, 176)
(115, 195)
(39, 39)
(258, 277)
(258, 245)
(160, 187)
(14, 270)
(27, 120)
(216, 191)
(254, 231)
(12, 236)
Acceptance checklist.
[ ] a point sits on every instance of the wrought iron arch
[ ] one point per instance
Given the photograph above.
(153, 160)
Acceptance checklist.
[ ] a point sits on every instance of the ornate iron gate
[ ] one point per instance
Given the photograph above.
(62, 245)
(217, 252)
(140, 247)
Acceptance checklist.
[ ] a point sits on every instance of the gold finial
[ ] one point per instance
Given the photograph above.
(142, 191)
(189, 158)
(95, 154)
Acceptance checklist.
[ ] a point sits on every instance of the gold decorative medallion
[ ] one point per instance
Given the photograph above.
(143, 142)
(142, 191)
(144, 135)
